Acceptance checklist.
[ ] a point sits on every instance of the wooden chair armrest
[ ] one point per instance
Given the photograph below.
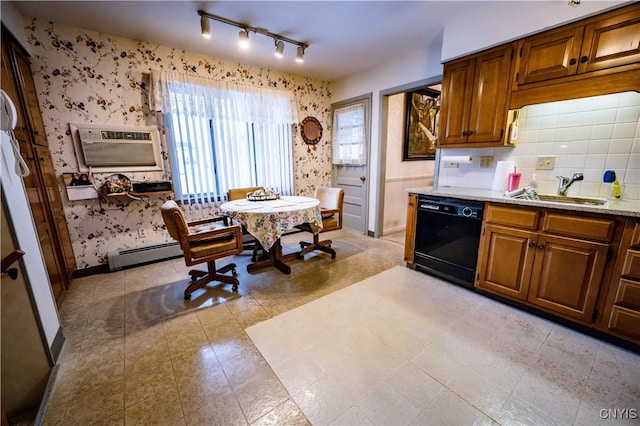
(204, 221)
(215, 233)
(329, 211)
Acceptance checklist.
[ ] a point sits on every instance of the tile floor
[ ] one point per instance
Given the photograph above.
(136, 353)
(404, 348)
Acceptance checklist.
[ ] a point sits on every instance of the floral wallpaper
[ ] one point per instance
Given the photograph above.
(88, 77)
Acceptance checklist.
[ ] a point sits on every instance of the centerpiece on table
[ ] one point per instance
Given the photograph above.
(263, 195)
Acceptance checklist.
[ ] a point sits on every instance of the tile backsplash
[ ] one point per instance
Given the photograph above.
(587, 135)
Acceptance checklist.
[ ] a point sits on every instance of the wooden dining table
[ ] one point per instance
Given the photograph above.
(268, 220)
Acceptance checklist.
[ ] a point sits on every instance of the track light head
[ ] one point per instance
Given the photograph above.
(205, 27)
(279, 48)
(300, 54)
(243, 39)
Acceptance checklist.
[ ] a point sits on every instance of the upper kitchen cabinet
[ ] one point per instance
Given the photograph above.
(475, 92)
(555, 64)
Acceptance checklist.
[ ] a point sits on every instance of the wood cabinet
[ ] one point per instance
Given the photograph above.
(595, 56)
(410, 231)
(474, 99)
(41, 185)
(603, 43)
(554, 261)
(621, 316)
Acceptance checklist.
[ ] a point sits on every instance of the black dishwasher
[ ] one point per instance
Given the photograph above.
(448, 238)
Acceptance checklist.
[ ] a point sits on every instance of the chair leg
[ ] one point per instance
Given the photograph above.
(324, 246)
(212, 274)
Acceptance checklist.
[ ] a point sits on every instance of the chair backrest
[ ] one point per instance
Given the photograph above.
(241, 193)
(331, 199)
(174, 220)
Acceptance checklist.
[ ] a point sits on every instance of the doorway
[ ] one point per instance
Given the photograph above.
(397, 174)
(351, 153)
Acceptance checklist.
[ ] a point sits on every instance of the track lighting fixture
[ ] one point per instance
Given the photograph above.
(243, 35)
(205, 28)
(243, 39)
(279, 48)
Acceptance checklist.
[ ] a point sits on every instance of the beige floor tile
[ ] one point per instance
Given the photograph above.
(286, 413)
(162, 408)
(385, 406)
(337, 343)
(223, 409)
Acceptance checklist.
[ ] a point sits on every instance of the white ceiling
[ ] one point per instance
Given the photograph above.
(344, 37)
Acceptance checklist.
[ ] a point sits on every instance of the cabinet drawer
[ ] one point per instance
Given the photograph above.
(635, 238)
(631, 267)
(521, 218)
(628, 294)
(625, 321)
(578, 226)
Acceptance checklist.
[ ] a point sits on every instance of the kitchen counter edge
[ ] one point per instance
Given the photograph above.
(630, 208)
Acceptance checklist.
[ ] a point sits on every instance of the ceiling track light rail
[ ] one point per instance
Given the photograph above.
(244, 34)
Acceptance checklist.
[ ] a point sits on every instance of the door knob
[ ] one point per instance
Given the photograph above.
(363, 178)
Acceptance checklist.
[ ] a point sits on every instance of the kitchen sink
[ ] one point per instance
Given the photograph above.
(572, 200)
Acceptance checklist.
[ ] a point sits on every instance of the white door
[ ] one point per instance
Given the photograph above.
(353, 180)
(350, 139)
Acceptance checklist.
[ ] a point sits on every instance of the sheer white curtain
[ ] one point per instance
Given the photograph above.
(224, 136)
(349, 143)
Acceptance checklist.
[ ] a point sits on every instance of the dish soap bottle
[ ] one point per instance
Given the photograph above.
(533, 183)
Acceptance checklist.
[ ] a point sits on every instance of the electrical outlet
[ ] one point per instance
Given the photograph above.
(486, 162)
(142, 233)
(546, 163)
(451, 165)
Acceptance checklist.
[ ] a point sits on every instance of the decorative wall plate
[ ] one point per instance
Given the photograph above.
(311, 130)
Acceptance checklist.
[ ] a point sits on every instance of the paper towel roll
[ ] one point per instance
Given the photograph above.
(501, 177)
(465, 159)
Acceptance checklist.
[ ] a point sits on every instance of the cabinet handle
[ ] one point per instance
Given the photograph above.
(584, 59)
(540, 246)
(572, 61)
(470, 132)
(531, 244)
(465, 133)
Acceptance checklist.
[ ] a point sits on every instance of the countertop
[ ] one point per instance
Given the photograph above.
(614, 207)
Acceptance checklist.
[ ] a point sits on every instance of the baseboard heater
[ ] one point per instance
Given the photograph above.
(119, 259)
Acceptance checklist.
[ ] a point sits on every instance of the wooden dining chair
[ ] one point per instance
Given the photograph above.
(203, 241)
(331, 203)
(248, 241)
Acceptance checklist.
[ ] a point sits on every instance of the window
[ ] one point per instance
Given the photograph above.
(227, 137)
(349, 141)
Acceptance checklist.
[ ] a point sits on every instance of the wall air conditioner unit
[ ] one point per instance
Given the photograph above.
(108, 148)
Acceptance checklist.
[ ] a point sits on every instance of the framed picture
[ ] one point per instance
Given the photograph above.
(421, 124)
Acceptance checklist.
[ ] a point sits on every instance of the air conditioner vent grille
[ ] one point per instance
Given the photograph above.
(138, 136)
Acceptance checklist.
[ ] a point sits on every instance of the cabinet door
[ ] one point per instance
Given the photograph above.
(457, 89)
(567, 275)
(410, 230)
(505, 261)
(488, 115)
(550, 55)
(30, 97)
(611, 42)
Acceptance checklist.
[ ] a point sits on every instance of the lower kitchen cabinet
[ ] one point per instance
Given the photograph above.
(410, 230)
(530, 261)
(567, 275)
(621, 316)
(505, 261)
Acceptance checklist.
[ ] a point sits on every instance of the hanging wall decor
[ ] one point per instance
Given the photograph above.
(421, 124)
(311, 131)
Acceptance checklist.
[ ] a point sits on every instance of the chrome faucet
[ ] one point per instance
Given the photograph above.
(566, 182)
